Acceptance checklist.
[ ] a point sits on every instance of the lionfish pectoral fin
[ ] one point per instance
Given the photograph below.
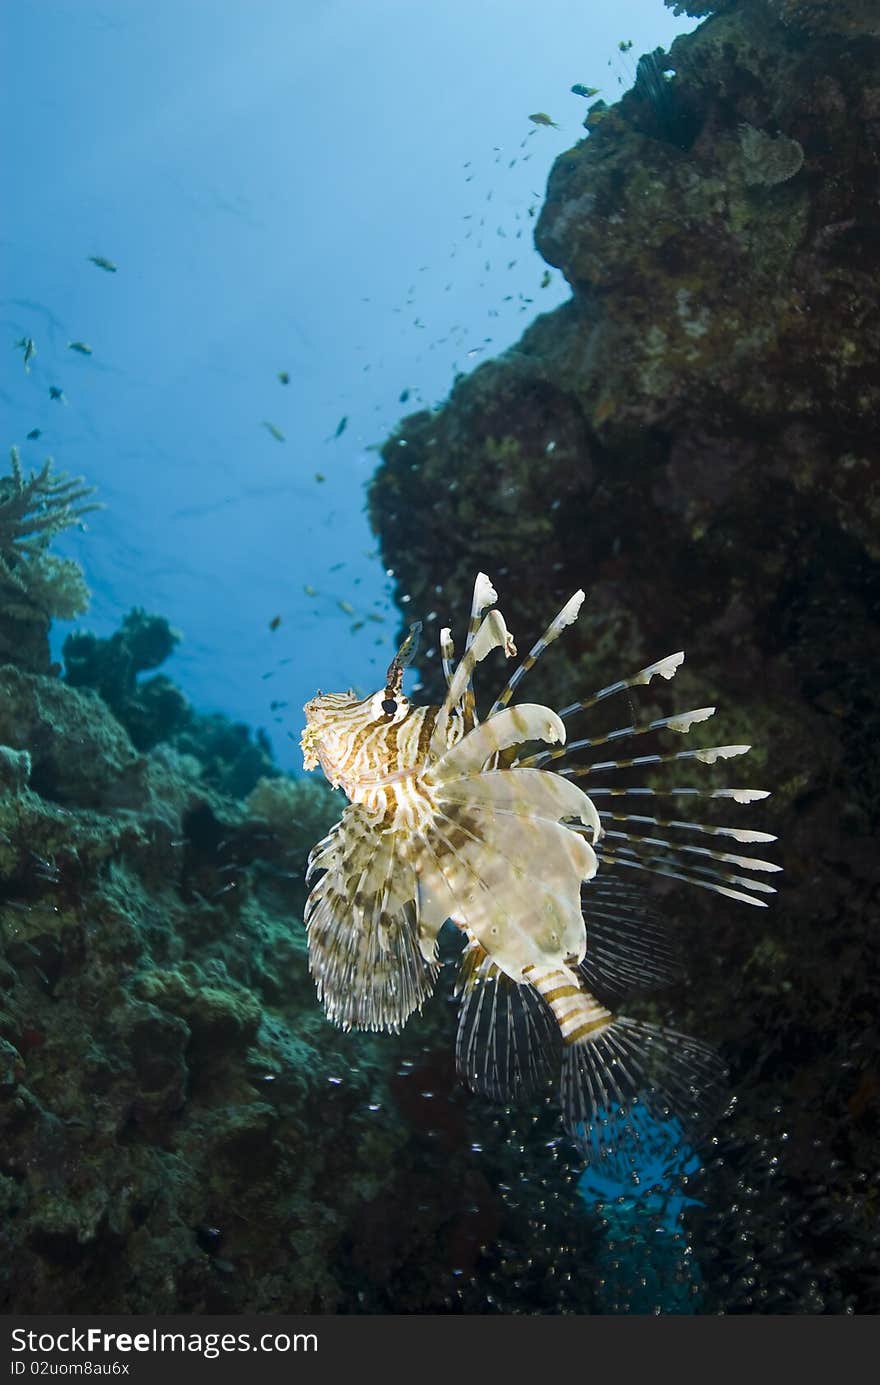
(528, 794)
(527, 721)
(513, 878)
(427, 939)
(363, 922)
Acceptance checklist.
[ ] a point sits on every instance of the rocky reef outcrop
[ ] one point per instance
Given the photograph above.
(181, 1130)
(693, 438)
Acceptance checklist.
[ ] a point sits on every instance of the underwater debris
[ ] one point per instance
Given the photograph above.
(451, 818)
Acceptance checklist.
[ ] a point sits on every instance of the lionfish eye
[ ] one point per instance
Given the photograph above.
(389, 706)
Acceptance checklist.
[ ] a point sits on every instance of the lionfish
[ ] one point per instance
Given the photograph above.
(454, 818)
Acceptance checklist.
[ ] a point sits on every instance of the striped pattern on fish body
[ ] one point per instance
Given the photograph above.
(360, 747)
(453, 819)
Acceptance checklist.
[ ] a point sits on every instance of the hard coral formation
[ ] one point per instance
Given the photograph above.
(153, 710)
(36, 585)
(693, 438)
(180, 1128)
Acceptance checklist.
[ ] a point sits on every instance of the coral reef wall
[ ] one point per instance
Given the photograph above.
(181, 1130)
(693, 438)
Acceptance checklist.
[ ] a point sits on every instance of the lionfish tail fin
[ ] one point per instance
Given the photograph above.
(633, 1093)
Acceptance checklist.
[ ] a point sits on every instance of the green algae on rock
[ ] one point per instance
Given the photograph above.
(154, 710)
(180, 1129)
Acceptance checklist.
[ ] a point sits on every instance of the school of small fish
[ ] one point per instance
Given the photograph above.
(451, 818)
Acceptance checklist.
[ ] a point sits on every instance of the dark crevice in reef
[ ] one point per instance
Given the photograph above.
(693, 439)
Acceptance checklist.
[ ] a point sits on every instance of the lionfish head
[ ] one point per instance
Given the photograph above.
(331, 721)
(334, 721)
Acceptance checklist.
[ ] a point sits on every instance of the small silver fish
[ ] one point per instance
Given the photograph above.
(455, 819)
(542, 118)
(81, 346)
(274, 430)
(103, 263)
(29, 347)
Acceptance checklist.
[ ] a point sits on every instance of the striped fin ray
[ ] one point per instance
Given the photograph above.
(717, 881)
(507, 1044)
(492, 634)
(563, 618)
(662, 668)
(484, 596)
(739, 834)
(447, 654)
(679, 721)
(707, 756)
(687, 849)
(630, 1086)
(363, 923)
(738, 795)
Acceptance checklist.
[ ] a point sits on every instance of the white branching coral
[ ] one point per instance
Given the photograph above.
(35, 584)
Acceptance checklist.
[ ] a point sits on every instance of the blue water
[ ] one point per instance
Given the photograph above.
(644, 1262)
(336, 190)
